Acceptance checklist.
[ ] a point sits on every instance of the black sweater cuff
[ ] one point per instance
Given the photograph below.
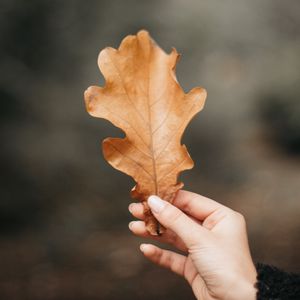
(274, 284)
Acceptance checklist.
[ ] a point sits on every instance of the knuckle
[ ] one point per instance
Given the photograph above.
(240, 218)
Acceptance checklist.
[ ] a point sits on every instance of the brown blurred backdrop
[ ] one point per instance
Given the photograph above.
(63, 209)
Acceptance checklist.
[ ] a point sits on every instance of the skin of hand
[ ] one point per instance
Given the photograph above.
(212, 238)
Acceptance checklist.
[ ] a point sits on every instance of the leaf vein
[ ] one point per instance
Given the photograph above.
(125, 89)
(131, 126)
(172, 170)
(171, 138)
(123, 154)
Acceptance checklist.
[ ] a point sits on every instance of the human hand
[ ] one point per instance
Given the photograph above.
(216, 262)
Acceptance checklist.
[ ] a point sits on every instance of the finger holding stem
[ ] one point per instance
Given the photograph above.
(174, 219)
(169, 237)
(137, 210)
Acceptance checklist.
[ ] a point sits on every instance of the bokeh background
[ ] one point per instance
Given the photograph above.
(63, 209)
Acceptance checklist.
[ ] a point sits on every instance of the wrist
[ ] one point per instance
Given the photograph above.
(242, 288)
(245, 290)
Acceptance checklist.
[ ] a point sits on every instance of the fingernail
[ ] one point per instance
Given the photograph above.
(143, 247)
(156, 204)
(130, 207)
(131, 224)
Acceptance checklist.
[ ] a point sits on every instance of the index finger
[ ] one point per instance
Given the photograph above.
(195, 205)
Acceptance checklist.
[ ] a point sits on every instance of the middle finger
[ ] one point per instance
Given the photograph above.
(169, 237)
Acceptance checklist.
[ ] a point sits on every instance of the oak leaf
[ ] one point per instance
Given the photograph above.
(142, 97)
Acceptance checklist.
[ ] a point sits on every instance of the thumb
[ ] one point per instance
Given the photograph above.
(173, 218)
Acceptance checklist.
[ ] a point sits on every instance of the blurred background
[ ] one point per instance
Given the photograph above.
(63, 209)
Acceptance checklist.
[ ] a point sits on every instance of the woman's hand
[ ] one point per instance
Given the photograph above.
(216, 260)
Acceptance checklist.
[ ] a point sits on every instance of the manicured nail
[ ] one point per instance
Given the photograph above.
(156, 204)
(131, 224)
(143, 247)
(130, 207)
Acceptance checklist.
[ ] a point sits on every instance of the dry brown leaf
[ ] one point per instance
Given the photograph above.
(142, 97)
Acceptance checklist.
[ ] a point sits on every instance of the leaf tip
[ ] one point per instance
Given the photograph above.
(143, 32)
(202, 96)
(203, 92)
(102, 54)
(174, 58)
(198, 94)
(107, 148)
(88, 95)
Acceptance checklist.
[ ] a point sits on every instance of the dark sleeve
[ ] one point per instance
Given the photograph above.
(274, 284)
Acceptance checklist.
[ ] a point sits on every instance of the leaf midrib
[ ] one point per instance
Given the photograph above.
(150, 129)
